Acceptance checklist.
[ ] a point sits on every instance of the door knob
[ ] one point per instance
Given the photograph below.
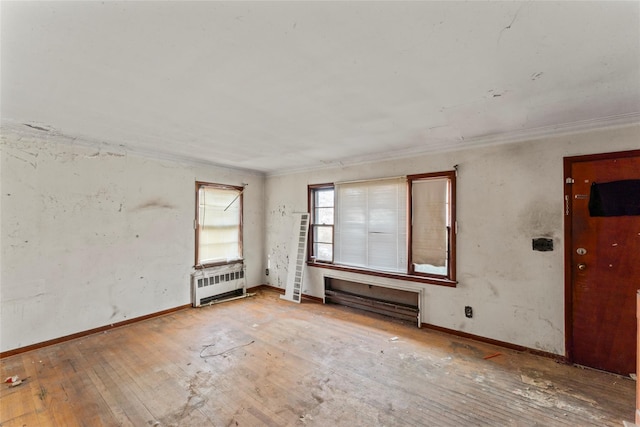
(582, 266)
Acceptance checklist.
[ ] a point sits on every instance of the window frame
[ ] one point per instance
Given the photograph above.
(434, 279)
(451, 232)
(311, 197)
(240, 199)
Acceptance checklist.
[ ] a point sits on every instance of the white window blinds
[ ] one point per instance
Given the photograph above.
(371, 224)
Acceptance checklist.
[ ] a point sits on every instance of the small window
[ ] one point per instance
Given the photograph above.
(432, 238)
(322, 222)
(219, 224)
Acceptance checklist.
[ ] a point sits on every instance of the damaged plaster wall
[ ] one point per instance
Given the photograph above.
(92, 236)
(507, 195)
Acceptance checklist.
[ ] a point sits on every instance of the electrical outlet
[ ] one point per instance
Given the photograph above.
(266, 272)
(468, 311)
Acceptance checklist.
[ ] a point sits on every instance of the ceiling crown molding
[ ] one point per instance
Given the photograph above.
(521, 135)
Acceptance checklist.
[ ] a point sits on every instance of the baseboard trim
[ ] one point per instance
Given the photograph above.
(557, 357)
(282, 291)
(39, 345)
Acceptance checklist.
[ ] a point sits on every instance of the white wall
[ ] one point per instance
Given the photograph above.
(91, 237)
(507, 195)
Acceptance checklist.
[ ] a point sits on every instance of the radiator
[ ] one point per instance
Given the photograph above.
(402, 302)
(217, 284)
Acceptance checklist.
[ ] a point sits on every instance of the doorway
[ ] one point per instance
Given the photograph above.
(602, 262)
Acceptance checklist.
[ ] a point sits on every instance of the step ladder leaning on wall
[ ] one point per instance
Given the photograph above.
(297, 258)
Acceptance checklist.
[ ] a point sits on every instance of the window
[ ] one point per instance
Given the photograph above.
(432, 218)
(219, 224)
(371, 225)
(399, 227)
(322, 215)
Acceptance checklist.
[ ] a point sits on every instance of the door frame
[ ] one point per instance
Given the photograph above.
(568, 236)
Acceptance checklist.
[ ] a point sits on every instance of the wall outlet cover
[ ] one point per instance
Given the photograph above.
(468, 312)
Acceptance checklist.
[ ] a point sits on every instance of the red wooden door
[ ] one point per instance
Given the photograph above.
(604, 267)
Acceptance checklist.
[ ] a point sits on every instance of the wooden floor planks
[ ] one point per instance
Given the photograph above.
(263, 361)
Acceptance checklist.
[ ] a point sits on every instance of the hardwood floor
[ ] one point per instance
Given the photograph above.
(262, 361)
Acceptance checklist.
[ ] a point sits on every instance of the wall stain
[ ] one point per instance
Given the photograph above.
(36, 127)
(540, 218)
(33, 164)
(154, 204)
(103, 154)
(494, 290)
(111, 154)
(115, 311)
(536, 76)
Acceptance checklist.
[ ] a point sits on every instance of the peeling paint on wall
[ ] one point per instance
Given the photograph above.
(93, 237)
(506, 195)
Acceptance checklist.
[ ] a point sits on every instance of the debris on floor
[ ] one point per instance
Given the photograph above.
(633, 377)
(491, 356)
(393, 339)
(43, 393)
(13, 381)
(305, 418)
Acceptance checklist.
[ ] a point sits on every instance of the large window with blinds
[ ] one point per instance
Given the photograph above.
(218, 224)
(402, 226)
(371, 224)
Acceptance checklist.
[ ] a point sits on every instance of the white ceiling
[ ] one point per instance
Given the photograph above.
(282, 86)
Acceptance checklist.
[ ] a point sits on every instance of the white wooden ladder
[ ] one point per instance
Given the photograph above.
(297, 257)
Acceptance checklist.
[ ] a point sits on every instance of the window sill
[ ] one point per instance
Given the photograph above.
(398, 276)
(217, 264)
